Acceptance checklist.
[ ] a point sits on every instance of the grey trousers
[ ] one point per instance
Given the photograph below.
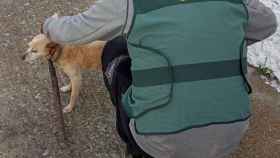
(214, 141)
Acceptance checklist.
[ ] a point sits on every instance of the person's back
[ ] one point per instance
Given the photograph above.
(188, 96)
(188, 65)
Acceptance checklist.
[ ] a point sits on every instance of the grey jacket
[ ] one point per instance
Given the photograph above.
(107, 19)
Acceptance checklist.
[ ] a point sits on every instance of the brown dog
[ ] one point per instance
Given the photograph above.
(71, 59)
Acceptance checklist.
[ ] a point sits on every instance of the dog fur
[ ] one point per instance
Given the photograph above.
(70, 58)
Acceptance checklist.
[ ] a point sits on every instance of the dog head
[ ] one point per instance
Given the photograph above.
(39, 47)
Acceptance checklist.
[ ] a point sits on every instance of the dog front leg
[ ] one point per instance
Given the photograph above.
(75, 85)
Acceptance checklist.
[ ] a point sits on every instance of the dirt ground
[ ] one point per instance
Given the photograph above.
(25, 123)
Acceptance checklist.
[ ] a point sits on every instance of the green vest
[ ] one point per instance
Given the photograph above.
(188, 63)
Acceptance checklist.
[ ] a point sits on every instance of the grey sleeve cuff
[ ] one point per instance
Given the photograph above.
(262, 22)
(103, 21)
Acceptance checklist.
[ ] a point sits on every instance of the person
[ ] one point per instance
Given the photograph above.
(178, 79)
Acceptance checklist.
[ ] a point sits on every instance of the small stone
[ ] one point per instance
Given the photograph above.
(6, 34)
(263, 77)
(27, 4)
(22, 22)
(38, 96)
(46, 153)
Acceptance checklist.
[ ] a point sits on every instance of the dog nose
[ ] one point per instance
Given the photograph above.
(23, 57)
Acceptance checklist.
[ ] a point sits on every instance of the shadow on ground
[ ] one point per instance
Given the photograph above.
(25, 124)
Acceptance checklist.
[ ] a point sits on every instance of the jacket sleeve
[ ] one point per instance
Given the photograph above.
(262, 22)
(102, 21)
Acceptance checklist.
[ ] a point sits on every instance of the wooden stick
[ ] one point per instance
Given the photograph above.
(57, 107)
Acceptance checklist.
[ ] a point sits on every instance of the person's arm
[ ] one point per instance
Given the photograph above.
(262, 22)
(103, 21)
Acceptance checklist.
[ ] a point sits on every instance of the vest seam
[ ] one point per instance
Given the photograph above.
(171, 91)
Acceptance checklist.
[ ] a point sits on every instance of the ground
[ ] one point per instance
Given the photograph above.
(25, 92)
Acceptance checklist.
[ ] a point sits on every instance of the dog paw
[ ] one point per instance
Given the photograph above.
(65, 89)
(67, 109)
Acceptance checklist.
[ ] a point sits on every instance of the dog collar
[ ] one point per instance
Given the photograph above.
(54, 53)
